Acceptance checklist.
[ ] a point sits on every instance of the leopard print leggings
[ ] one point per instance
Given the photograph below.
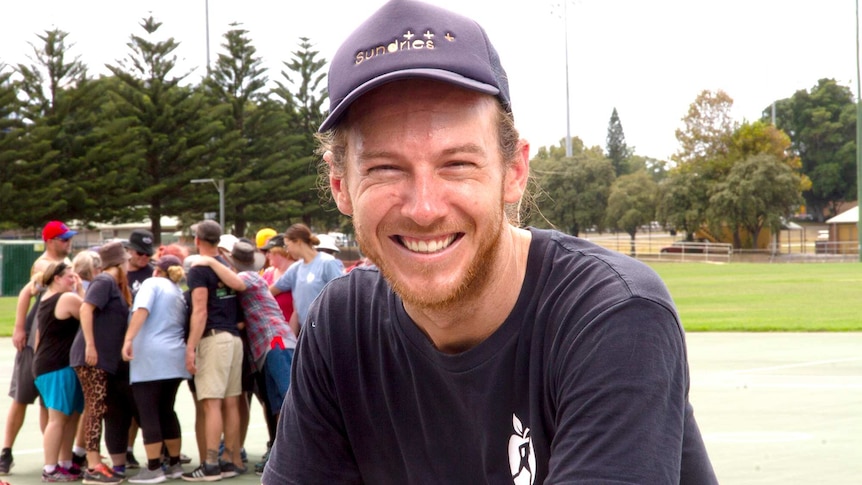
(94, 383)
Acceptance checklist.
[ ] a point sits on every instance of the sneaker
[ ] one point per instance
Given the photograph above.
(175, 471)
(228, 470)
(6, 463)
(149, 476)
(131, 461)
(75, 471)
(203, 473)
(259, 467)
(79, 461)
(184, 459)
(58, 475)
(100, 474)
(242, 454)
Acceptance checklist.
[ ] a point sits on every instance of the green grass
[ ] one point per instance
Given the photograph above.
(766, 297)
(7, 315)
(735, 297)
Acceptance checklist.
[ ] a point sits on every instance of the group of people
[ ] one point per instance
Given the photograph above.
(111, 336)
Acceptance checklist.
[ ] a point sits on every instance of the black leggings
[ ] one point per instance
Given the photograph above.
(155, 400)
(119, 412)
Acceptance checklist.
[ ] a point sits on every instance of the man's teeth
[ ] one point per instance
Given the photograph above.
(429, 246)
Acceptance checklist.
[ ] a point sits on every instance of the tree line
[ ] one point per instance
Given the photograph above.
(125, 146)
(728, 180)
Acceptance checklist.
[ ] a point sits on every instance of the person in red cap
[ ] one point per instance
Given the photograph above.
(22, 389)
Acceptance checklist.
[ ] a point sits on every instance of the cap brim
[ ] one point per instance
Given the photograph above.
(138, 248)
(419, 73)
(67, 235)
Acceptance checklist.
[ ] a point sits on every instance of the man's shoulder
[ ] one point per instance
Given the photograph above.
(252, 278)
(362, 287)
(43, 261)
(558, 255)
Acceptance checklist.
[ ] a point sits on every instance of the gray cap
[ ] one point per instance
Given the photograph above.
(208, 230)
(407, 39)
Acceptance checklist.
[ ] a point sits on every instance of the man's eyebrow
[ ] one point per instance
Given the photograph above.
(470, 148)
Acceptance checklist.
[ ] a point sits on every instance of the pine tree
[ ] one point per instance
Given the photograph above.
(57, 110)
(617, 150)
(303, 95)
(257, 168)
(11, 131)
(163, 134)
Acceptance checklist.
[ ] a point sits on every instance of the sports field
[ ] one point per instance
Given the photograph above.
(810, 297)
(805, 297)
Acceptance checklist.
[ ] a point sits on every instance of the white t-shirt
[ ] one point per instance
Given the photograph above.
(159, 347)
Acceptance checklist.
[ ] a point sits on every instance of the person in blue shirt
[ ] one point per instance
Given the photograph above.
(308, 275)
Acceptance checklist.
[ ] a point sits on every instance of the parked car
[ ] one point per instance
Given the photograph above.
(694, 247)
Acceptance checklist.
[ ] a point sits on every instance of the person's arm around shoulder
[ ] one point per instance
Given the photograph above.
(225, 274)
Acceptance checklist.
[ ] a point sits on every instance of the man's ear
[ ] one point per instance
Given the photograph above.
(517, 174)
(338, 186)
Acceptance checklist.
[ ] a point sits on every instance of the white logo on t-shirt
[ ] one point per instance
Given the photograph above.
(522, 458)
(309, 278)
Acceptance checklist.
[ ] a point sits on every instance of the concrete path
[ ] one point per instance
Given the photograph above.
(775, 409)
(780, 408)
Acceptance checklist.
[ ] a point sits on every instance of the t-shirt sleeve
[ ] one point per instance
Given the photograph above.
(146, 296)
(288, 279)
(311, 445)
(334, 269)
(98, 293)
(196, 277)
(622, 390)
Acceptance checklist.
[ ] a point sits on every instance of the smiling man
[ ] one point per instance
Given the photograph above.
(474, 350)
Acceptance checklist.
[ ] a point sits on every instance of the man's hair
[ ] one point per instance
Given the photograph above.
(508, 143)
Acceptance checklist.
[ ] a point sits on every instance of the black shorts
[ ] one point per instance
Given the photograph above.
(23, 386)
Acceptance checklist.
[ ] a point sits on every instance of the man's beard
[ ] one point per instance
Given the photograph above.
(475, 278)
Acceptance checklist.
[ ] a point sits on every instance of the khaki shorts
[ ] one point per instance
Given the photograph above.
(219, 366)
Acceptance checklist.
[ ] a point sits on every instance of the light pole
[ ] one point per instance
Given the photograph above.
(568, 123)
(858, 144)
(207, 12)
(219, 185)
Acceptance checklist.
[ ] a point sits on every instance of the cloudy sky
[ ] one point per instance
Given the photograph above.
(649, 59)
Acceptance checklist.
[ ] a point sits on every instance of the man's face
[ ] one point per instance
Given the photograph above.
(60, 248)
(426, 187)
(137, 260)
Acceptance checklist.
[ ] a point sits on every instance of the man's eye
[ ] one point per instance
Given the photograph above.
(381, 168)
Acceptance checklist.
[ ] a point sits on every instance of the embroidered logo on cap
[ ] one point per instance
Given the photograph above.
(410, 42)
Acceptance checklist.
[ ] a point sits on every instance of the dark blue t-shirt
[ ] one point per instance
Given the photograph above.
(110, 321)
(222, 301)
(586, 381)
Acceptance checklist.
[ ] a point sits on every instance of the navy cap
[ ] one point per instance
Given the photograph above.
(407, 39)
